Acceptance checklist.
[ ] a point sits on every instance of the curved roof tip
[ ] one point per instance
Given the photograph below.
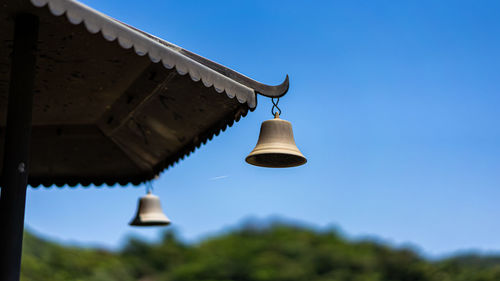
(77, 12)
(269, 91)
(273, 91)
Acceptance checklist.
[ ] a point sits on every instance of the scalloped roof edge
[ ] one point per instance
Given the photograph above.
(73, 182)
(171, 56)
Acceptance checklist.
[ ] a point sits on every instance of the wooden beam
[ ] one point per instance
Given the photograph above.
(16, 148)
(141, 92)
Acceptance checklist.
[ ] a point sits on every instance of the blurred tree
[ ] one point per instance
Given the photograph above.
(277, 252)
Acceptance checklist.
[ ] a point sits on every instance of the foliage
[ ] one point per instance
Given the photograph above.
(278, 253)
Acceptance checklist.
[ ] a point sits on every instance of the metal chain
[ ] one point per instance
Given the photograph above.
(149, 186)
(275, 107)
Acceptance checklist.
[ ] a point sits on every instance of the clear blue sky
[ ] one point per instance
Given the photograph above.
(396, 104)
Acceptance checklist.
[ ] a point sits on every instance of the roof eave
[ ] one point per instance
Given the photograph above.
(198, 67)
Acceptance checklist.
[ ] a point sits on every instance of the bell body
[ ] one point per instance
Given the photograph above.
(276, 147)
(149, 212)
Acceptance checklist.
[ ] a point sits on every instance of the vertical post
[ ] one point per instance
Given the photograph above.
(16, 150)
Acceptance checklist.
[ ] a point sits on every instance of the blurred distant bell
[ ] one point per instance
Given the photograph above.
(149, 212)
(276, 147)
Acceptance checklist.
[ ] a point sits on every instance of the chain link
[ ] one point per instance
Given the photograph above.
(275, 107)
(149, 186)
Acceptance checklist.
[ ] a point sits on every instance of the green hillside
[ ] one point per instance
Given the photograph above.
(277, 253)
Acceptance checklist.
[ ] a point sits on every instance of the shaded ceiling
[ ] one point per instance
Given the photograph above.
(113, 104)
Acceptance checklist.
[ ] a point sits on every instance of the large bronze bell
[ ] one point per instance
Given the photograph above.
(149, 212)
(276, 147)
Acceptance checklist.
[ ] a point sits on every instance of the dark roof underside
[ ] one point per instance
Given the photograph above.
(104, 115)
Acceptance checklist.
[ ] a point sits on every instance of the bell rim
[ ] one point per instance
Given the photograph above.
(271, 149)
(276, 148)
(142, 220)
(302, 160)
(152, 223)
